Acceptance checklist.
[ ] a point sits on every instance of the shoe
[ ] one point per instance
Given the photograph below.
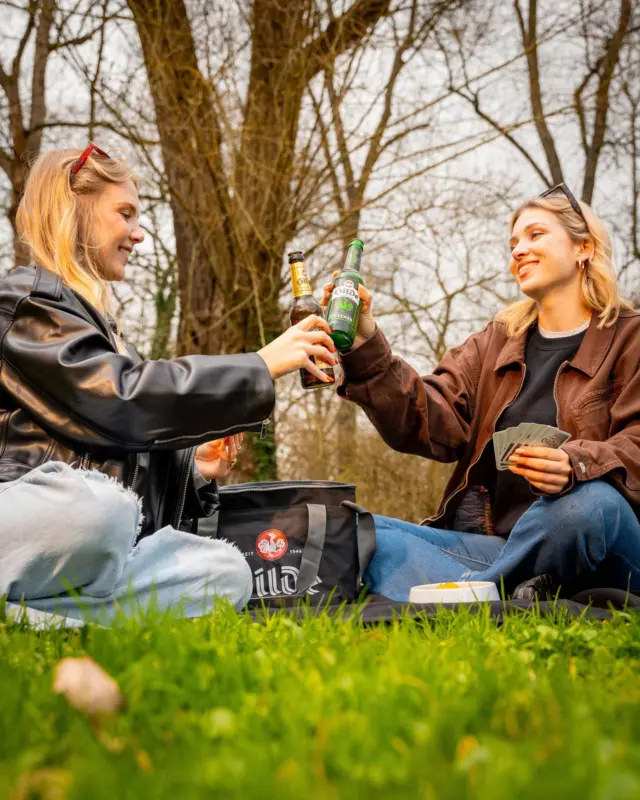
(544, 587)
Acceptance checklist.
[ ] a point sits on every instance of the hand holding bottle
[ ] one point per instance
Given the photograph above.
(294, 348)
(366, 323)
(304, 305)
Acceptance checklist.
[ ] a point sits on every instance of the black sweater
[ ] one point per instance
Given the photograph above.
(511, 494)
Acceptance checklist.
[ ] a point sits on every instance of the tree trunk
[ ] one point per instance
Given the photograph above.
(232, 227)
(21, 254)
(190, 139)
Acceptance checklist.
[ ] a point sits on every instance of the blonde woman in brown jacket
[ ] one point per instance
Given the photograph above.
(566, 356)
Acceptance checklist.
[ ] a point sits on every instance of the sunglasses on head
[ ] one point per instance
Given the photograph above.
(564, 189)
(90, 149)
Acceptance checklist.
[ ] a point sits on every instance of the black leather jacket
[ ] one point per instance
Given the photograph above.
(67, 394)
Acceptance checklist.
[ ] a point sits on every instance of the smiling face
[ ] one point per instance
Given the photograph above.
(116, 230)
(543, 255)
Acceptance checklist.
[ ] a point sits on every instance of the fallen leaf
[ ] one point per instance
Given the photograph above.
(86, 686)
(46, 784)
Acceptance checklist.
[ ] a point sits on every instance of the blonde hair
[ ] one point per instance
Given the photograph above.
(599, 285)
(55, 218)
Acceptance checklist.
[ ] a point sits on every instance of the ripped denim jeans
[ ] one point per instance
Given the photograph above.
(67, 546)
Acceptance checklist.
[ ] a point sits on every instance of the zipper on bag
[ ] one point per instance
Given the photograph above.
(239, 488)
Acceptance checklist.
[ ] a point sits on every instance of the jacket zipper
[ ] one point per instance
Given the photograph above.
(134, 477)
(488, 520)
(183, 486)
(473, 463)
(221, 433)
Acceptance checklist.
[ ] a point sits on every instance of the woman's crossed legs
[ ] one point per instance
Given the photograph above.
(585, 538)
(63, 529)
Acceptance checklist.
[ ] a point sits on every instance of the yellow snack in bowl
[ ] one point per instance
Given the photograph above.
(447, 585)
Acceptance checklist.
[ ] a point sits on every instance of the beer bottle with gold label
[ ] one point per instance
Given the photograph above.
(303, 305)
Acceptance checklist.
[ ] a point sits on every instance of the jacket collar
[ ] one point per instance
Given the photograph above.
(512, 351)
(588, 359)
(594, 347)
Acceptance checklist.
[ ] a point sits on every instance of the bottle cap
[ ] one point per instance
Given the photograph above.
(298, 255)
(357, 243)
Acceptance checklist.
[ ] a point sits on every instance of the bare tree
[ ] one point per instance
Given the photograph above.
(48, 27)
(626, 154)
(344, 148)
(230, 195)
(604, 30)
(263, 123)
(231, 185)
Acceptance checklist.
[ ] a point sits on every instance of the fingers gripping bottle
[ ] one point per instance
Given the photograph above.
(303, 305)
(343, 311)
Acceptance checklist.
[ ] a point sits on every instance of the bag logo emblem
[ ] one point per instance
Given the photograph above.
(271, 545)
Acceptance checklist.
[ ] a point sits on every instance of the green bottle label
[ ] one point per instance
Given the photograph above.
(345, 293)
(344, 307)
(343, 313)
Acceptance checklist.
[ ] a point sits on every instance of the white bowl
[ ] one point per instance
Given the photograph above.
(469, 592)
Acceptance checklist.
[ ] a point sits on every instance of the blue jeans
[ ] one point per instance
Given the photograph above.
(67, 546)
(588, 537)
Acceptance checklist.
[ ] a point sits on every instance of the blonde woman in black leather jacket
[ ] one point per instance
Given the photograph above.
(99, 448)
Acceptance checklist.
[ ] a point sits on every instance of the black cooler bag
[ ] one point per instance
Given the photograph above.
(298, 537)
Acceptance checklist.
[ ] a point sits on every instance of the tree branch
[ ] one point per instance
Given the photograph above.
(76, 41)
(41, 54)
(580, 110)
(609, 61)
(338, 126)
(530, 41)
(474, 99)
(15, 66)
(324, 140)
(6, 162)
(340, 34)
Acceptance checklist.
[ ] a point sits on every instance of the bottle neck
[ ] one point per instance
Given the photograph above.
(299, 279)
(353, 261)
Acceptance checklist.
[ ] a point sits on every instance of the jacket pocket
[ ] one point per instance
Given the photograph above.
(597, 401)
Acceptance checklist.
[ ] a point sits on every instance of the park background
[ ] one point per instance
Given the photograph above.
(262, 126)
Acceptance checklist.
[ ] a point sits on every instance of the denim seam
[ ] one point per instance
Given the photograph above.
(450, 553)
(456, 556)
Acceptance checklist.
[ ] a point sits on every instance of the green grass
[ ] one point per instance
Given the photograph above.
(455, 707)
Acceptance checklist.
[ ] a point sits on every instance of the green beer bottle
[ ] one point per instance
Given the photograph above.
(343, 311)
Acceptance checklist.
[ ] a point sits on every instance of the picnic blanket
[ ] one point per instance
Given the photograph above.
(594, 604)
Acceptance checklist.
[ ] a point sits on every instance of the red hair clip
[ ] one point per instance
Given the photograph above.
(88, 150)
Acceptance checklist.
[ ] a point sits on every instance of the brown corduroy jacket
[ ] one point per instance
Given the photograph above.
(451, 414)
